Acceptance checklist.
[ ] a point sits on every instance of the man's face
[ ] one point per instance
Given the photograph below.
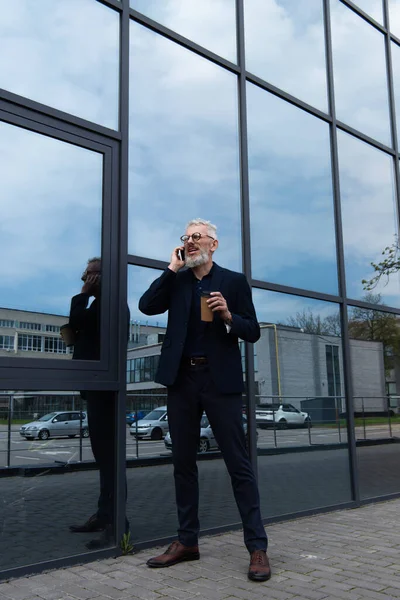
(198, 252)
(93, 268)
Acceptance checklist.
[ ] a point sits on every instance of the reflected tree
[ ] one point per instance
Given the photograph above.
(309, 322)
(387, 266)
(375, 325)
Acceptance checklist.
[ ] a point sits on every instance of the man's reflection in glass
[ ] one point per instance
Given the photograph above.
(84, 320)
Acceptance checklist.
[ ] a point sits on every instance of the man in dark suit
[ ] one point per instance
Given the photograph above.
(200, 364)
(84, 320)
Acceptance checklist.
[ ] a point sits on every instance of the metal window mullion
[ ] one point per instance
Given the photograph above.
(348, 384)
(245, 222)
(392, 109)
(364, 15)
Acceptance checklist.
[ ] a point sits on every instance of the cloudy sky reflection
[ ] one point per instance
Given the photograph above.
(210, 23)
(184, 150)
(184, 154)
(64, 54)
(50, 219)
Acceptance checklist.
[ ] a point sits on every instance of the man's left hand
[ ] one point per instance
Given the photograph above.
(217, 303)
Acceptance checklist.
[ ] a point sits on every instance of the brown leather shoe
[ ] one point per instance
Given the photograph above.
(175, 553)
(259, 569)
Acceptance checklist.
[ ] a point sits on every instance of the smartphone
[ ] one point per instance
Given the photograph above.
(181, 254)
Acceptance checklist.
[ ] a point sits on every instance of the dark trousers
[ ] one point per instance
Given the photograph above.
(192, 393)
(101, 417)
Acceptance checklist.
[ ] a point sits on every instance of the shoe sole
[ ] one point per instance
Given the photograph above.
(174, 562)
(258, 577)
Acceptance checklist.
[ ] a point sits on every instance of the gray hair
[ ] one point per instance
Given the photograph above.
(94, 259)
(211, 229)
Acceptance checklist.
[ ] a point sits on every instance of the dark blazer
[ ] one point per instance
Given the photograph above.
(85, 321)
(173, 292)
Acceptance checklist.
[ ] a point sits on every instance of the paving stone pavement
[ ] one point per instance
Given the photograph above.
(344, 555)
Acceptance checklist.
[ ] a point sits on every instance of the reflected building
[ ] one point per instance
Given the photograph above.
(279, 122)
(25, 333)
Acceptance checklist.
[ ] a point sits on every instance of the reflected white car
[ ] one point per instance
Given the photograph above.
(154, 425)
(282, 415)
(207, 439)
(56, 424)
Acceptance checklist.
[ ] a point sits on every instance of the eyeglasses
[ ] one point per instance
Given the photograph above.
(195, 237)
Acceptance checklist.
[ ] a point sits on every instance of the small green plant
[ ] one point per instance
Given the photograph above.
(126, 544)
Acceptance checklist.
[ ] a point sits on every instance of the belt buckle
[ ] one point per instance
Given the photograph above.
(192, 362)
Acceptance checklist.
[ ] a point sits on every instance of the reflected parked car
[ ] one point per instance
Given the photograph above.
(57, 424)
(207, 439)
(153, 426)
(135, 415)
(283, 415)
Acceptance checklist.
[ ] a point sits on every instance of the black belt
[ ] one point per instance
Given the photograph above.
(194, 361)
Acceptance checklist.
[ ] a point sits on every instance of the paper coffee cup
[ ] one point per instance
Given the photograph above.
(206, 312)
(67, 334)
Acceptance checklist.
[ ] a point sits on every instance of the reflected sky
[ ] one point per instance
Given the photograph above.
(292, 225)
(274, 307)
(184, 154)
(210, 23)
(359, 74)
(369, 216)
(139, 279)
(64, 54)
(285, 45)
(396, 84)
(50, 219)
(394, 17)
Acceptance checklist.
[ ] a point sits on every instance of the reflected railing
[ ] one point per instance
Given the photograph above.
(375, 418)
(21, 408)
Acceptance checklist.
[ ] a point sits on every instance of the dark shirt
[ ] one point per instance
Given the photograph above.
(194, 344)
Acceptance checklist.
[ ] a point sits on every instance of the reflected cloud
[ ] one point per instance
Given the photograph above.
(184, 155)
(64, 54)
(369, 214)
(210, 23)
(292, 222)
(359, 73)
(285, 45)
(51, 218)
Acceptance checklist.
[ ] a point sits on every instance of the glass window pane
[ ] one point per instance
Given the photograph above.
(360, 74)
(210, 23)
(292, 223)
(300, 403)
(394, 17)
(51, 204)
(375, 352)
(54, 484)
(369, 217)
(373, 8)
(64, 54)
(285, 46)
(396, 84)
(184, 158)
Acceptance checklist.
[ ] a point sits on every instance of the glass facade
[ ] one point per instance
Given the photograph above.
(278, 121)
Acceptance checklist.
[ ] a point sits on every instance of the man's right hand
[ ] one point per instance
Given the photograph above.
(91, 285)
(176, 264)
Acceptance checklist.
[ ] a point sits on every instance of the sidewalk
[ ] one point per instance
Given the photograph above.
(346, 555)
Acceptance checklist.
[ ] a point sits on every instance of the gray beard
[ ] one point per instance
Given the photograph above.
(197, 261)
